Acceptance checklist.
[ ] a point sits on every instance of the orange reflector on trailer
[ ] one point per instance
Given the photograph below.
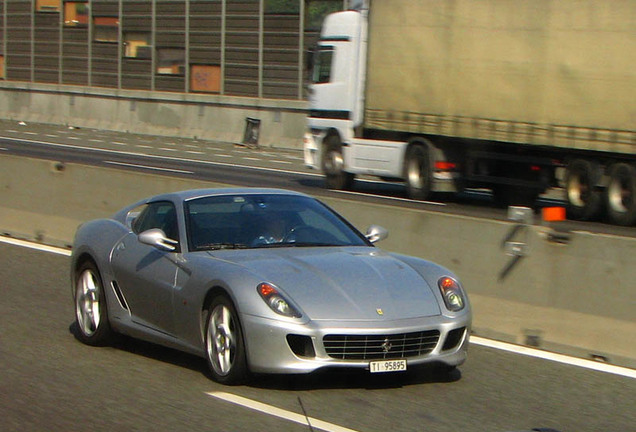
(445, 166)
(553, 214)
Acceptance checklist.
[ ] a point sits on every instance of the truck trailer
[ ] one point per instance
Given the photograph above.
(515, 96)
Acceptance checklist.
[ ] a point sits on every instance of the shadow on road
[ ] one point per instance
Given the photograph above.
(322, 379)
(152, 351)
(356, 379)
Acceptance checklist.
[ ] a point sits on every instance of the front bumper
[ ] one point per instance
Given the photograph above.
(268, 350)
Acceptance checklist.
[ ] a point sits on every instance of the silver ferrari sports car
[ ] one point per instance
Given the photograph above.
(263, 281)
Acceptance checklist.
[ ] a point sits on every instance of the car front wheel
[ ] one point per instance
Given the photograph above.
(225, 352)
(91, 313)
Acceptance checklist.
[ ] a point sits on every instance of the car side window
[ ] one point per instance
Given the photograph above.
(160, 215)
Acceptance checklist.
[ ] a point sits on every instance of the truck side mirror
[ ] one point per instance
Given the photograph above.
(309, 59)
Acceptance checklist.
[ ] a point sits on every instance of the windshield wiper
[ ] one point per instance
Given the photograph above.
(217, 246)
(309, 244)
(293, 244)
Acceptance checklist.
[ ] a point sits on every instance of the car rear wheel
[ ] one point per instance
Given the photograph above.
(225, 351)
(91, 313)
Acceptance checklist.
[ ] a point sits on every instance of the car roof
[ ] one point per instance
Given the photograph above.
(187, 195)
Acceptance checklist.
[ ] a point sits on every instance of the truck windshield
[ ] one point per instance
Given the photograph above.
(322, 65)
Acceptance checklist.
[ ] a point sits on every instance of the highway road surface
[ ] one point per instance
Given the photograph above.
(52, 382)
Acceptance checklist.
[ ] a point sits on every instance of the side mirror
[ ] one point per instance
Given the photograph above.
(157, 238)
(375, 233)
(309, 59)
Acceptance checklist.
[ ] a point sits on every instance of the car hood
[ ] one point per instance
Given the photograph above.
(357, 283)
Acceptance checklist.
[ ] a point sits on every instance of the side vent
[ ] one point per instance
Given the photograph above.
(120, 295)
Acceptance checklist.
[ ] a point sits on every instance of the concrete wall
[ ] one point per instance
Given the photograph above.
(578, 298)
(212, 117)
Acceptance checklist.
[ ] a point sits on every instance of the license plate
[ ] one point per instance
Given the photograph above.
(387, 366)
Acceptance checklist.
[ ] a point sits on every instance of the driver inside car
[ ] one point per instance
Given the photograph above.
(273, 230)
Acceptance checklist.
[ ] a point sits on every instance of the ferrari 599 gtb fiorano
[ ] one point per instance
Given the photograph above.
(263, 281)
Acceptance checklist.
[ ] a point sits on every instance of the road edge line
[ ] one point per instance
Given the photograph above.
(33, 245)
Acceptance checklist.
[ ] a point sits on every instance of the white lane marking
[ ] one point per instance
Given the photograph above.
(559, 358)
(30, 133)
(37, 246)
(74, 138)
(281, 162)
(148, 167)
(386, 197)
(51, 136)
(96, 140)
(194, 152)
(223, 156)
(278, 412)
(251, 158)
(4, 149)
(143, 146)
(118, 143)
(167, 149)
(151, 156)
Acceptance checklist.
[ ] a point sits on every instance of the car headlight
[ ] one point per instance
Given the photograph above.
(276, 301)
(452, 293)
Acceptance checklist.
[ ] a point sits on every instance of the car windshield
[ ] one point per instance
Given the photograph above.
(265, 221)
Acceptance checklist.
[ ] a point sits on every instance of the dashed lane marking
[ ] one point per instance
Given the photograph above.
(313, 423)
(149, 167)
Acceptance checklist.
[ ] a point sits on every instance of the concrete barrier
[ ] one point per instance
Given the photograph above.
(577, 297)
(282, 123)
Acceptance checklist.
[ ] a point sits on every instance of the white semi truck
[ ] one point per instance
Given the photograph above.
(516, 96)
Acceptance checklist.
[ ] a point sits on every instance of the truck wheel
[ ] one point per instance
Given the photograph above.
(620, 195)
(333, 166)
(418, 172)
(584, 200)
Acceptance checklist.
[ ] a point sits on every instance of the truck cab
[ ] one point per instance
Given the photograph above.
(335, 95)
(335, 141)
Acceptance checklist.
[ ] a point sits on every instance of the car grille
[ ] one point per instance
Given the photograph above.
(373, 347)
